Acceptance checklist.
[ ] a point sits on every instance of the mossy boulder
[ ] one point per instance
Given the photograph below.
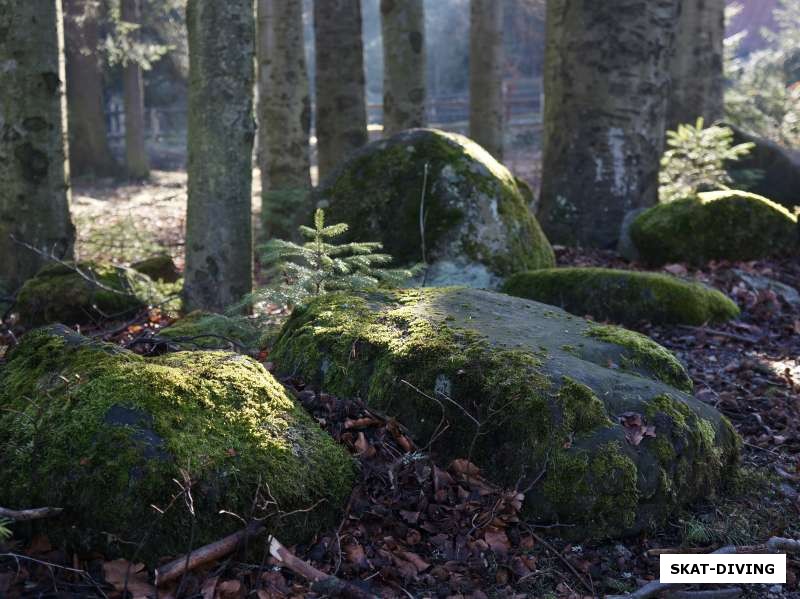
(159, 268)
(206, 330)
(715, 225)
(478, 226)
(102, 433)
(623, 296)
(533, 395)
(59, 293)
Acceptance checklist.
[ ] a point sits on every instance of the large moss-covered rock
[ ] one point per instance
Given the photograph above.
(102, 433)
(716, 225)
(533, 395)
(159, 268)
(59, 293)
(478, 227)
(206, 330)
(623, 296)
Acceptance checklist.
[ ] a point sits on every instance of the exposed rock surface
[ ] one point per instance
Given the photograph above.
(595, 421)
(478, 227)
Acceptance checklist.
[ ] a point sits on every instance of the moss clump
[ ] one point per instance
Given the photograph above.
(644, 352)
(626, 297)
(60, 294)
(719, 225)
(488, 377)
(475, 211)
(206, 330)
(159, 268)
(103, 432)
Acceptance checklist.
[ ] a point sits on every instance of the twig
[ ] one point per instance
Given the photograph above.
(422, 213)
(31, 514)
(85, 575)
(728, 593)
(718, 333)
(589, 587)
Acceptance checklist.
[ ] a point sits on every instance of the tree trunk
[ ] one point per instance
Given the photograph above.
(284, 114)
(696, 65)
(137, 164)
(403, 29)
(34, 196)
(341, 105)
(606, 82)
(219, 238)
(486, 61)
(89, 149)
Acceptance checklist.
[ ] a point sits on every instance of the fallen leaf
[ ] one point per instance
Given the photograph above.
(122, 574)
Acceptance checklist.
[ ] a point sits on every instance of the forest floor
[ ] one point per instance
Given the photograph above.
(413, 529)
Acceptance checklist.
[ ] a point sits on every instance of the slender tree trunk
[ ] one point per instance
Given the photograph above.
(696, 65)
(486, 61)
(341, 103)
(219, 238)
(606, 82)
(284, 114)
(403, 29)
(89, 149)
(34, 189)
(137, 164)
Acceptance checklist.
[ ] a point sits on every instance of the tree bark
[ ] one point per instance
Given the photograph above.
(486, 62)
(219, 238)
(696, 65)
(606, 82)
(341, 104)
(284, 113)
(89, 150)
(34, 189)
(137, 164)
(403, 31)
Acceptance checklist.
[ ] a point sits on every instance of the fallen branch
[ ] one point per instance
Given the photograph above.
(718, 333)
(32, 514)
(727, 593)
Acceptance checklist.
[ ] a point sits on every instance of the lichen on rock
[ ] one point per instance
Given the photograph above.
(622, 296)
(715, 225)
(522, 389)
(477, 222)
(60, 293)
(103, 433)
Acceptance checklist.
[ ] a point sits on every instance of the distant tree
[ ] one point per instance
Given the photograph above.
(341, 104)
(604, 114)
(34, 202)
(403, 28)
(486, 61)
(696, 67)
(89, 149)
(137, 164)
(284, 118)
(219, 240)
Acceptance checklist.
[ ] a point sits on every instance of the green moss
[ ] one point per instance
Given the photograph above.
(378, 192)
(214, 331)
(103, 432)
(583, 412)
(59, 294)
(626, 297)
(159, 268)
(643, 352)
(721, 225)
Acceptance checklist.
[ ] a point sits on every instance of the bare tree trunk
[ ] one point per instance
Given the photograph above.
(486, 62)
(89, 149)
(696, 66)
(34, 188)
(403, 29)
(341, 104)
(284, 113)
(219, 237)
(137, 164)
(606, 82)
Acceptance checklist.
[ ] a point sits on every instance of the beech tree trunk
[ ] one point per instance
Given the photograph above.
(89, 149)
(606, 82)
(219, 238)
(403, 30)
(341, 104)
(486, 61)
(34, 189)
(137, 164)
(284, 115)
(697, 62)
